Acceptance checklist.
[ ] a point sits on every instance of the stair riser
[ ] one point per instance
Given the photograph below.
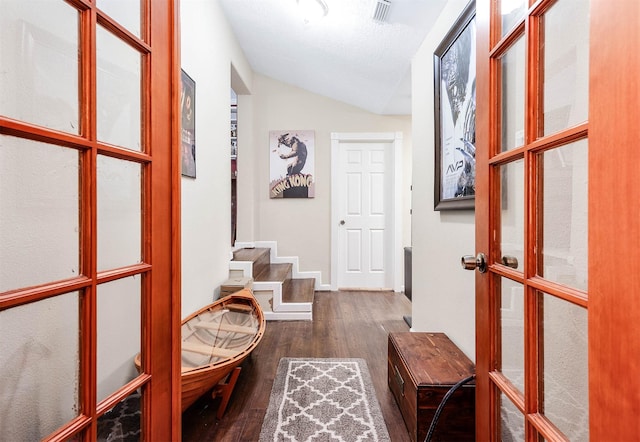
(261, 264)
(288, 316)
(280, 296)
(297, 307)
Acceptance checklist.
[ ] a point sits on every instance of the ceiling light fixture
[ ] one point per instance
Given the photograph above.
(313, 9)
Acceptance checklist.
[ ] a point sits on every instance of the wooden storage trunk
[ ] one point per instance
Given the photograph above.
(422, 367)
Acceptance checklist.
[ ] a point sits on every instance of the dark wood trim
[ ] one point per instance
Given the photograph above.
(38, 293)
(114, 398)
(34, 132)
(509, 390)
(575, 296)
(614, 229)
(503, 45)
(541, 424)
(161, 404)
(176, 225)
(532, 331)
(123, 272)
(485, 310)
(89, 229)
(68, 431)
(120, 31)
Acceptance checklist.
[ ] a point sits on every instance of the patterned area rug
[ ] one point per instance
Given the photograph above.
(317, 400)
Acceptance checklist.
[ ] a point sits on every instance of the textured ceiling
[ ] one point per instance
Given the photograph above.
(345, 56)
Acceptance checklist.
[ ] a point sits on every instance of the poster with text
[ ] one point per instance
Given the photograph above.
(188, 135)
(291, 155)
(455, 115)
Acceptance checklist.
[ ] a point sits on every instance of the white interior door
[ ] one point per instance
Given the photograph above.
(363, 212)
(363, 236)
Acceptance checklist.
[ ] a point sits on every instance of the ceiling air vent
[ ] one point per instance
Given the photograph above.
(381, 11)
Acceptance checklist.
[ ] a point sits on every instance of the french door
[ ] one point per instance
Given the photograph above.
(89, 195)
(556, 234)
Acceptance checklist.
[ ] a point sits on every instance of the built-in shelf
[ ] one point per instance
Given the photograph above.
(233, 135)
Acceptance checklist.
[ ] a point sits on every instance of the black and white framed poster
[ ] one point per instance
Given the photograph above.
(188, 135)
(455, 115)
(291, 168)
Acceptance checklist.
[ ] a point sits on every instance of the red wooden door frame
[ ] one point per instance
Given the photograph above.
(614, 221)
(163, 344)
(161, 204)
(614, 226)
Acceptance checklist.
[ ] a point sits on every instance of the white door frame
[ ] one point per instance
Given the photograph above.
(396, 204)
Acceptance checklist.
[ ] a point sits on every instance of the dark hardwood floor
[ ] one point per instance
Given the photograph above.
(345, 324)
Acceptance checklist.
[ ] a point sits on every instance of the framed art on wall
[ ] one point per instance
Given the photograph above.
(291, 165)
(188, 135)
(455, 115)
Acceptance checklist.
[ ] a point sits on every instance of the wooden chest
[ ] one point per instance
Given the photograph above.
(422, 367)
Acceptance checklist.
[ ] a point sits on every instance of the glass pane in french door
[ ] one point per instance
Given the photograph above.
(512, 65)
(39, 203)
(565, 51)
(39, 47)
(565, 214)
(512, 220)
(126, 12)
(511, 12)
(511, 421)
(565, 372)
(119, 91)
(119, 213)
(119, 333)
(39, 367)
(512, 332)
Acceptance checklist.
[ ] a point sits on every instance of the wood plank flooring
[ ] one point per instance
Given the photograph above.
(345, 325)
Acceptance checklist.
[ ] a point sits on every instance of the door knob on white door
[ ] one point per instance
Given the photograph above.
(342, 222)
(470, 262)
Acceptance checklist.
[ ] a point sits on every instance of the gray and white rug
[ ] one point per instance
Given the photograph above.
(317, 400)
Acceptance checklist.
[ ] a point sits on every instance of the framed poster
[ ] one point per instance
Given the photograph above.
(291, 165)
(188, 134)
(455, 115)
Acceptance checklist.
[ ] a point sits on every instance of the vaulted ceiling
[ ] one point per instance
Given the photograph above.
(345, 55)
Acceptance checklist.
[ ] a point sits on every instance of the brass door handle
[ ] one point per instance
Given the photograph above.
(510, 261)
(470, 262)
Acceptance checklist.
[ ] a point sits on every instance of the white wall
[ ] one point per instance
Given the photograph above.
(443, 294)
(300, 226)
(208, 50)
